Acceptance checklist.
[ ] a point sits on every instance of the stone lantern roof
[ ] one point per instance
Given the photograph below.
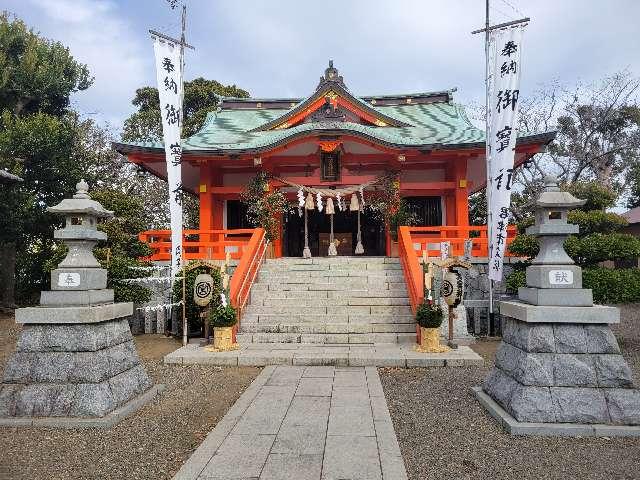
(553, 197)
(81, 203)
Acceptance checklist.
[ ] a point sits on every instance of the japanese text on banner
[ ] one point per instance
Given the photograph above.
(503, 107)
(169, 75)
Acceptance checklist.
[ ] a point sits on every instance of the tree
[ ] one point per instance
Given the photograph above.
(201, 96)
(598, 129)
(120, 252)
(38, 75)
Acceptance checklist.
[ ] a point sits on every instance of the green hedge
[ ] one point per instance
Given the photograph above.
(608, 285)
(613, 286)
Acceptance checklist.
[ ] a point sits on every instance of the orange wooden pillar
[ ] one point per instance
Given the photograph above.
(461, 192)
(206, 207)
(217, 214)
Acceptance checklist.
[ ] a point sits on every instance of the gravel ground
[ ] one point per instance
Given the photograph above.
(444, 433)
(152, 444)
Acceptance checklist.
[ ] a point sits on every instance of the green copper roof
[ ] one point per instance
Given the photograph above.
(443, 124)
(421, 120)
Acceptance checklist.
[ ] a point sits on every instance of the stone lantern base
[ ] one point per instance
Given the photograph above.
(560, 372)
(85, 372)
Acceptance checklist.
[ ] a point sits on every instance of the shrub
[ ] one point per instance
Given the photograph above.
(193, 310)
(514, 280)
(599, 247)
(524, 246)
(613, 286)
(598, 196)
(429, 315)
(596, 221)
(609, 286)
(223, 317)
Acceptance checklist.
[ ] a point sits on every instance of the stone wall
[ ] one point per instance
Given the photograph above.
(476, 295)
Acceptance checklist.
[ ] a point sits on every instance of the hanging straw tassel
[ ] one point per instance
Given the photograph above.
(306, 253)
(354, 206)
(332, 246)
(359, 247)
(309, 203)
(329, 210)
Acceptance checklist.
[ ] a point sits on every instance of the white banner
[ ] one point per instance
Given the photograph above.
(504, 93)
(169, 69)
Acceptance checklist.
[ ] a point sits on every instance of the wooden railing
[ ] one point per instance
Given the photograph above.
(412, 241)
(411, 268)
(198, 244)
(246, 270)
(247, 245)
(429, 238)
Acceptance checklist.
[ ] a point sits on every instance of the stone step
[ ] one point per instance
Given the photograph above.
(337, 338)
(310, 327)
(275, 318)
(260, 295)
(332, 260)
(329, 273)
(330, 310)
(327, 267)
(312, 301)
(333, 286)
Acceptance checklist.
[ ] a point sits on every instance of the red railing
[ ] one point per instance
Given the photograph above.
(198, 244)
(247, 245)
(412, 241)
(247, 269)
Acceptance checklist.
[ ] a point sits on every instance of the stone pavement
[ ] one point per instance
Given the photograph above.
(339, 355)
(303, 423)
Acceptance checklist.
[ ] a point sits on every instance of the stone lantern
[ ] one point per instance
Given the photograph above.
(79, 273)
(553, 279)
(559, 369)
(75, 362)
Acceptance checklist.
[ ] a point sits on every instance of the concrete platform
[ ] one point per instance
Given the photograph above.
(514, 427)
(372, 355)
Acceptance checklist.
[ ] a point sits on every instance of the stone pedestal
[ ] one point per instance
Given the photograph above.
(559, 369)
(563, 373)
(75, 362)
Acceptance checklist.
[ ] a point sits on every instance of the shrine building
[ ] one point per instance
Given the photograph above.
(331, 139)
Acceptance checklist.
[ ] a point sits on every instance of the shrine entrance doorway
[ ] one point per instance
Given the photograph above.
(345, 230)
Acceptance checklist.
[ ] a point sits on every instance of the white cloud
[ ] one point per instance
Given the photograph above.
(281, 47)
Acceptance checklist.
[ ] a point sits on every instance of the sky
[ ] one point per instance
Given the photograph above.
(280, 48)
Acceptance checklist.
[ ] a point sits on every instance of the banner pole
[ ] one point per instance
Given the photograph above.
(488, 162)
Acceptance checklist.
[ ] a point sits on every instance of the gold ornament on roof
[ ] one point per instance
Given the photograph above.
(331, 95)
(380, 123)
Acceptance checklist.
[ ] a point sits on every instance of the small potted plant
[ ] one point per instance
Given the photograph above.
(222, 319)
(429, 316)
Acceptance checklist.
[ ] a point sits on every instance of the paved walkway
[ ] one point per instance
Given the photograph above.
(338, 355)
(303, 423)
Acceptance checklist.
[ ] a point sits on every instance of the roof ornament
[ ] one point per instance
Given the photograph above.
(331, 75)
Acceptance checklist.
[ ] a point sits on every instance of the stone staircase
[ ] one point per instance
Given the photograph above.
(329, 300)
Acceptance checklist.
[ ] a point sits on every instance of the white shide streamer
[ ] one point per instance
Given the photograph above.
(169, 71)
(504, 93)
